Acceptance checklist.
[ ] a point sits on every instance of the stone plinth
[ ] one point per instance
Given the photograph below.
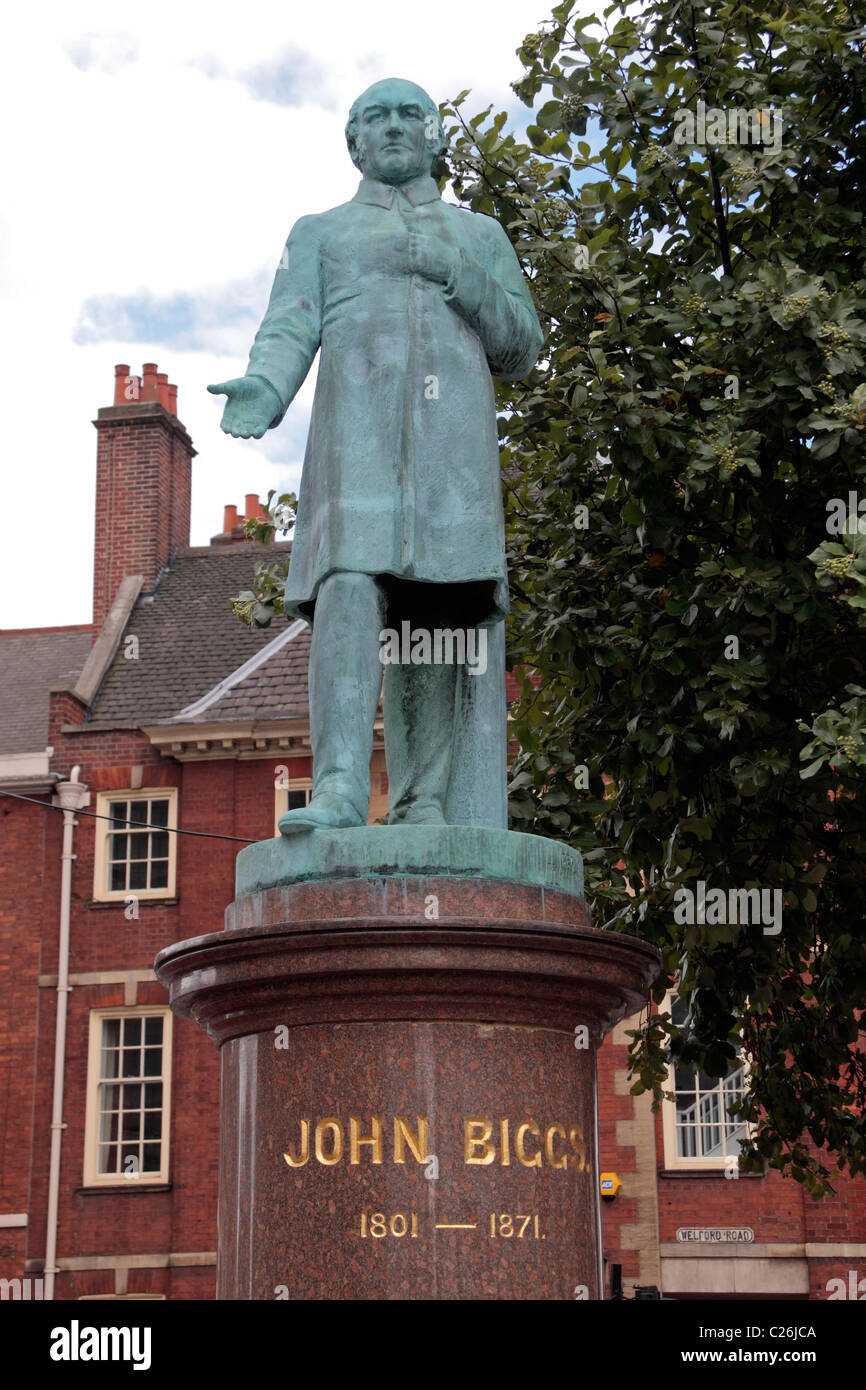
(408, 1065)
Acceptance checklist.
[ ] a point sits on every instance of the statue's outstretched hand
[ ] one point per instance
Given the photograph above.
(252, 406)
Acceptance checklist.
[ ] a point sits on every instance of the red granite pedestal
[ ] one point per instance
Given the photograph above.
(408, 1085)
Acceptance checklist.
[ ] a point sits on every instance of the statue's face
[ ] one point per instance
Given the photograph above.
(393, 132)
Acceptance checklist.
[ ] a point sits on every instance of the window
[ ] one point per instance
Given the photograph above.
(699, 1131)
(136, 851)
(128, 1094)
(290, 794)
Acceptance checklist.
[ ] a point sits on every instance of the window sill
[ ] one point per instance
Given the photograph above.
(127, 1185)
(702, 1173)
(121, 903)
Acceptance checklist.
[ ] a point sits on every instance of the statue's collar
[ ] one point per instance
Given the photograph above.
(421, 190)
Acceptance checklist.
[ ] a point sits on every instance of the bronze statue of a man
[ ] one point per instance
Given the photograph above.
(413, 302)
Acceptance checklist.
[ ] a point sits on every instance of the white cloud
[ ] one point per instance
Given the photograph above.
(106, 51)
(154, 161)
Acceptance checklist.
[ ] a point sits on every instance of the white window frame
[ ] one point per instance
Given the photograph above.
(92, 1176)
(281, 796)
(699, 1162)
(101, 891)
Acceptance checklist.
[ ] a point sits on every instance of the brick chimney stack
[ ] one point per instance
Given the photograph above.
(143, 467)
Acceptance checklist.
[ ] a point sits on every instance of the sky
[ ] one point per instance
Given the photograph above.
(154, 159)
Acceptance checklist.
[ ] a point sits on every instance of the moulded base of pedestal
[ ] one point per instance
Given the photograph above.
(408, 1072)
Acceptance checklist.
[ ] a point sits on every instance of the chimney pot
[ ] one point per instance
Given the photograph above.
(251, 504)
(149, 387)
(172, 399)
(162, 388)
(121, 371)
(230, 519)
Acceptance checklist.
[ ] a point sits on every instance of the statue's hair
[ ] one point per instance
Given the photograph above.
(435, 145)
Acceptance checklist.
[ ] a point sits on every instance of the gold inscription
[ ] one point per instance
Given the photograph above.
(305, 1147)
(378, 1225)
(557, 1146)
(418, 1143)
(575, 1139)
(504, 1225)
(503, 1136)
(528, 1127)
(561, 1162)
(500, 1225)
(356, 1140)
(534, 1147)
(473, 1143)
(337, 1144)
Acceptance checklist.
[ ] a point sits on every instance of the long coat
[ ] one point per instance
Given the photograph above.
(401, 473)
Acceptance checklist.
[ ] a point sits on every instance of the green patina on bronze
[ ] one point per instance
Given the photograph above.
(375, 851)
(413, 303)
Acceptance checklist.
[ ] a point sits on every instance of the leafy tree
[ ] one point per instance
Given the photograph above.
(688, 624)
(687, 621)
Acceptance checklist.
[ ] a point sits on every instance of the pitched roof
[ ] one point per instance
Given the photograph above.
(189, 641)
(275, 689)
(31, 663)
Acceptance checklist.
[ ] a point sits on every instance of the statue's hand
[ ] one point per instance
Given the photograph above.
(251, 406)
(431, 257)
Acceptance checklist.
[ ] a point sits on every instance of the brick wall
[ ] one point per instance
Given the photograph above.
(226, 797)
(781, 1213)
(29, 833)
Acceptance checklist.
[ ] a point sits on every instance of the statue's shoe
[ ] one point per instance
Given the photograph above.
(325, 812)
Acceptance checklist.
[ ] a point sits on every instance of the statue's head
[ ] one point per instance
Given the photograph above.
(394, 131)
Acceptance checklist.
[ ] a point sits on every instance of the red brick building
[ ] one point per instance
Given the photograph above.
(166, 715)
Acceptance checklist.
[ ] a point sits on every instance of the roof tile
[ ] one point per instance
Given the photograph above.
(189, 640)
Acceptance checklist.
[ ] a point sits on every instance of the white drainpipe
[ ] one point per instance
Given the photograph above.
(72, 796)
